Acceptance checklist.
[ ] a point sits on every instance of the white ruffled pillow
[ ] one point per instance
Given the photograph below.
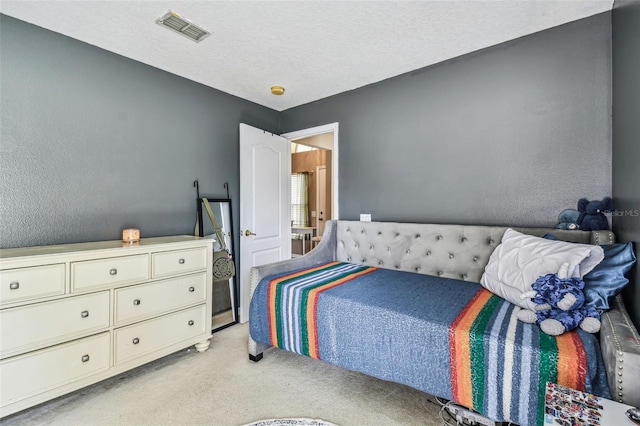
(520, 259)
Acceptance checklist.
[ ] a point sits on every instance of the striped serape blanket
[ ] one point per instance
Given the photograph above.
(293, 304)
(490, 349)
(449, 338)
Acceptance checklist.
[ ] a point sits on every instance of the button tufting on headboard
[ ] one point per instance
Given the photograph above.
(452, 251)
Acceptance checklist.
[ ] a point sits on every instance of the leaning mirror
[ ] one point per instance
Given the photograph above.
(225, 312)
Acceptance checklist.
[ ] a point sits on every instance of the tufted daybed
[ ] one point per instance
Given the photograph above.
(405, 321)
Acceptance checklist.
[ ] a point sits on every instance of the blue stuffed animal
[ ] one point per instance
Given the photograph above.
(568, 219)
(551, 291)
(556, 321)
(592, 216)
(559, 303)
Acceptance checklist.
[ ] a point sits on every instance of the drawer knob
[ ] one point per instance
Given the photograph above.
(84, 314)
(113, 271)
(191, 322)
(181, 261)
(85, 358)
(192, 289)
(136, 302)
(14, 285)
(136, 341)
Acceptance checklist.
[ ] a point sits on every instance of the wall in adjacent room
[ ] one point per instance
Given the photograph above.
(626, 136)
(93, 142)
(512, 134)
(307, 162)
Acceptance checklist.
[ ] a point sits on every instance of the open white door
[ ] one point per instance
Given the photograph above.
(265, 215)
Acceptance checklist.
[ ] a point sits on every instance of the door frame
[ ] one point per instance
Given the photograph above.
(319, 130)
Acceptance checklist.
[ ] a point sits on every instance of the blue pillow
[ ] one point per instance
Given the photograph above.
(607, 278)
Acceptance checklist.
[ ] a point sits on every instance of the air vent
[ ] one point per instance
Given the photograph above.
(177, 23)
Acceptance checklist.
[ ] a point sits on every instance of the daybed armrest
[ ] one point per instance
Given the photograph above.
(325, 251)
(621, 352)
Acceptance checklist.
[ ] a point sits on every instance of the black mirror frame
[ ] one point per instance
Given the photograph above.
(235, 292)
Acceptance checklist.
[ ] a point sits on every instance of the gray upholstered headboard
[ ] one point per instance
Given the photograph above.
(451, 251)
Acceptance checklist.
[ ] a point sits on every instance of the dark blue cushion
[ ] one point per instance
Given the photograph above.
(608, 277)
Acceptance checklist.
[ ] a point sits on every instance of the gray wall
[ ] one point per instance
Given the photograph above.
(93, 142)
(626, 136)
(512, 134)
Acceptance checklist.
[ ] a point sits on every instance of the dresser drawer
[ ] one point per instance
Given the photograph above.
(178, 261)
(36, 372)
(107, 272)
(22, 284)
(34, 326)
(142, 301)
(148, 336)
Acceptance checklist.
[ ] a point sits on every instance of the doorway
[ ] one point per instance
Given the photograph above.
(310, 191)
(324, 137)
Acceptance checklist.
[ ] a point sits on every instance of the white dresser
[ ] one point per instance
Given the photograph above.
(75, 314)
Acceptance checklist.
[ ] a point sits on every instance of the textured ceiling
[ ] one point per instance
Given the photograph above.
(314, 49)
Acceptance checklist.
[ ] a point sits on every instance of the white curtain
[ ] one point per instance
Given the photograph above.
(300, 199)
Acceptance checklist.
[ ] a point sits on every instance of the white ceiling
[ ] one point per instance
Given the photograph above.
(314, 49)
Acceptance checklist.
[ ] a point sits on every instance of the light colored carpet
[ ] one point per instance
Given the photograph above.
(291, 422)
(222, 387)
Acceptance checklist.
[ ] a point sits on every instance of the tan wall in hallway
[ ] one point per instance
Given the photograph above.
(307, 162)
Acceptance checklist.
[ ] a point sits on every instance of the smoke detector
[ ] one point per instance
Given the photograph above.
(183, 26)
